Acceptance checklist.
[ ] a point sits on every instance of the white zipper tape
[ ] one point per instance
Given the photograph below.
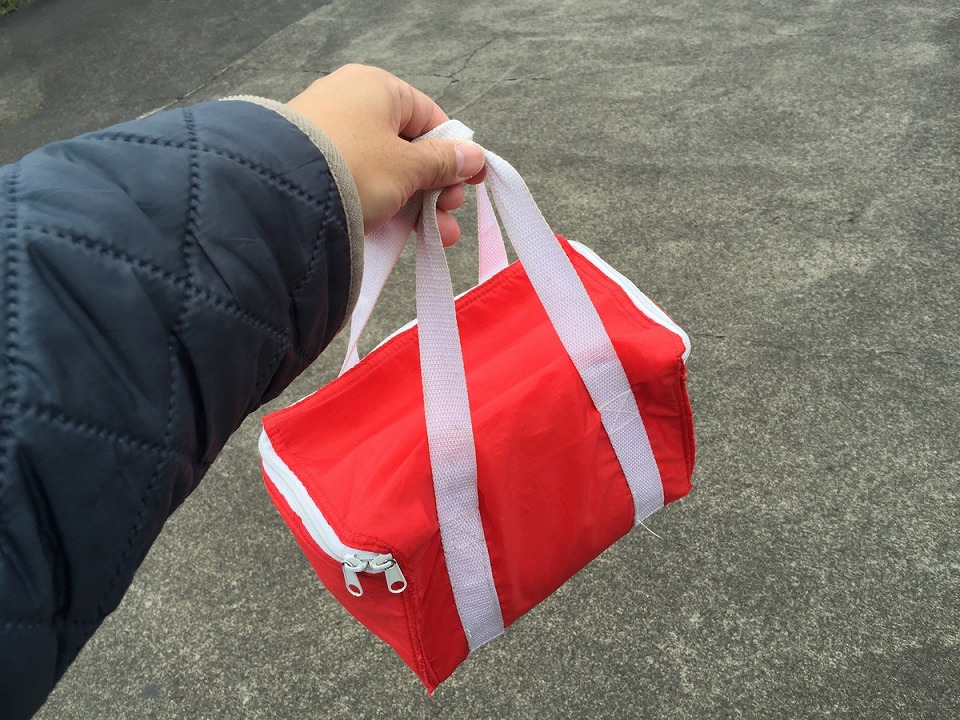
(299, 500)
(353, 560)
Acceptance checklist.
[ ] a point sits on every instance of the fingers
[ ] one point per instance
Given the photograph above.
(439, 163)
(470, 160)
(451, 197)
(371, 116)
(449, 229)
(479, 177)
(418, 112)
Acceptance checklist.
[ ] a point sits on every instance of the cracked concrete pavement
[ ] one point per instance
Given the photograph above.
(783, 179)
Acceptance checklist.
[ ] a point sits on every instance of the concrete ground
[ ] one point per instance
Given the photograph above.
(782, 178)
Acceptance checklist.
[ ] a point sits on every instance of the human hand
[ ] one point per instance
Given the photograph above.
(370, 116)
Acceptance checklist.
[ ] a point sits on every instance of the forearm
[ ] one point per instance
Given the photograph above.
(161, 279)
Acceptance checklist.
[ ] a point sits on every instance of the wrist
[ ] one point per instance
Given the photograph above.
(342, 178)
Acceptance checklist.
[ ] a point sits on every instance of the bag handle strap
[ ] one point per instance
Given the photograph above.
(450, 438)
(581, 331)
(382, 248)
(493, 253)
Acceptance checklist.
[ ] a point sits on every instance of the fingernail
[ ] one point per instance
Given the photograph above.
(469, 160)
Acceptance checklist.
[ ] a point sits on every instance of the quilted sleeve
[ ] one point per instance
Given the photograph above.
(159, 280)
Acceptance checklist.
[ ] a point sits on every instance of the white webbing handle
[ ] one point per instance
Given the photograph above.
(382, 248)
(493, 253)
(581, 332)
(453, 455)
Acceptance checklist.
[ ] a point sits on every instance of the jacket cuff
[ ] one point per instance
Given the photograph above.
(349, 197)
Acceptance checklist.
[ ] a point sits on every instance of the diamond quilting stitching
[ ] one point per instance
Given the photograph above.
(323, 205)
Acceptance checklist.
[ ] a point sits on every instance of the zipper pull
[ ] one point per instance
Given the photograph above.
(396, 582)
(351, 566)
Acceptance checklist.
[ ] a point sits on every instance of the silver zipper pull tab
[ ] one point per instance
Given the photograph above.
(351, 566)
(396, 582)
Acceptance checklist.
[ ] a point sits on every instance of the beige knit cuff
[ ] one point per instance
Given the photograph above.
(341, 177)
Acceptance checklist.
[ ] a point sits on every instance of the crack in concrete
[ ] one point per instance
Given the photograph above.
(466, 63)
(217, 75)
(763, 345)
(30, 112)
(455, 76)
(188, 94)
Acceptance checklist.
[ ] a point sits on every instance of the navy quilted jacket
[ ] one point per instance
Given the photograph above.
(160, 280)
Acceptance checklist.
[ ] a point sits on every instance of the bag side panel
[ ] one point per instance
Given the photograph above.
(652, 357)
(391, 610)
(552, 492)
(359, 447)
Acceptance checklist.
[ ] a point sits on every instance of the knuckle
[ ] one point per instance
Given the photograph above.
(442, 166)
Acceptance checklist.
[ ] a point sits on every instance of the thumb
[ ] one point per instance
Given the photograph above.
(439, 163)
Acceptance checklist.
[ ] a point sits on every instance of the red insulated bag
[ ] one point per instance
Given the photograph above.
(474, 461)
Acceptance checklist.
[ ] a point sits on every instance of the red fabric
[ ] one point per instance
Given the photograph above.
(552, 495)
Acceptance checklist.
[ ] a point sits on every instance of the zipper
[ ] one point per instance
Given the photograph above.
(353, 561)
(385, 563)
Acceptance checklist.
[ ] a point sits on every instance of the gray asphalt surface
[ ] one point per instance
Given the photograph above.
(782, 178)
